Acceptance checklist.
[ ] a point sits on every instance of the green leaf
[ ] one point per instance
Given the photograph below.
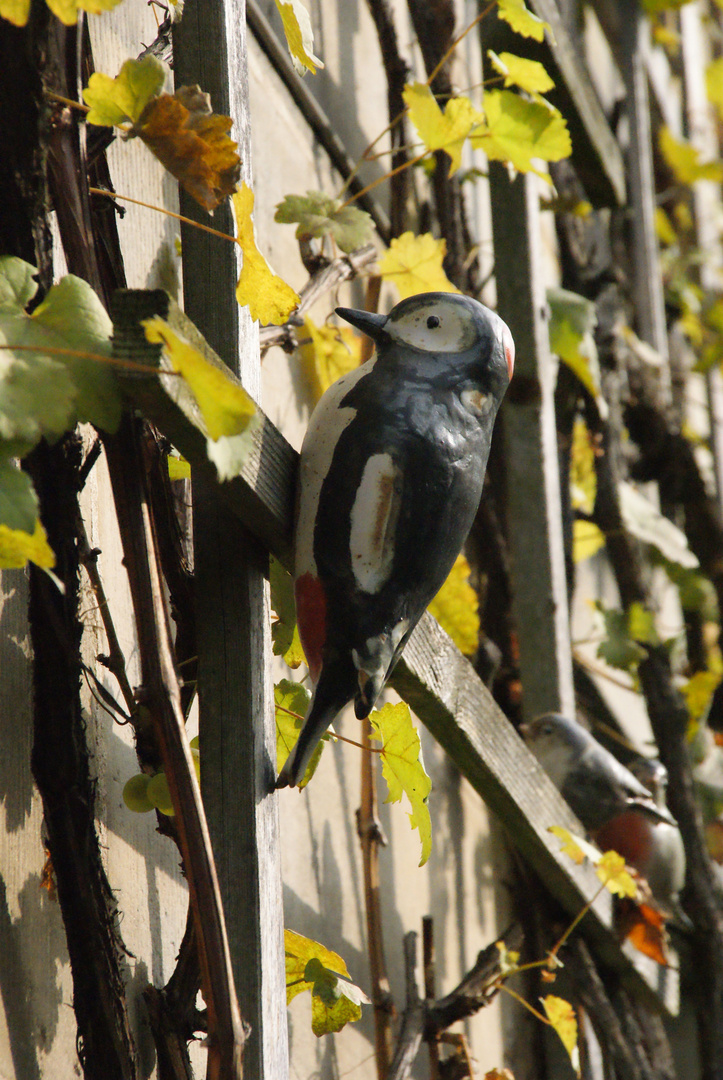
(17, 285)
(646, 522)
(516, 131)
(335, 1001)
(284, 631)
(572, 323)
(114, 102)
(618, 649)
(321, 215)
(529, 75)
(403, 768)
(714, 85)
(18, 501)
(521, 20)
(292, 701)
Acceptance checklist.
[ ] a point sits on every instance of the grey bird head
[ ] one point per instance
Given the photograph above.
(594, 783)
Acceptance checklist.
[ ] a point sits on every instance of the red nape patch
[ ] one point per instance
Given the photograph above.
(631, 835)
(311, 620)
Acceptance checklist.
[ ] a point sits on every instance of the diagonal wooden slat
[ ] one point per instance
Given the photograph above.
(433, 676)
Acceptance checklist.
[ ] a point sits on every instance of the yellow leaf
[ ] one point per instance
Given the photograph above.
(298, 951)
(118, 101)
(611, 871)
(574, 846)
(583, 478)
(518, 131)
(310, 966)
(521, 20)
(664, 227)
(562, 1017)
(269, 298)
(683, 159)
(714, 85)
(17, 548)
(698, 691)
(414, 264)
(509, 959)
(586, 540)
(529, 75)
(15, 11)
(332, 351)
(455, 607)
(67, 10)
(225, 406)
(192, 142)
(441, 130)
(178, 468)
(403, 769)
(299, 35)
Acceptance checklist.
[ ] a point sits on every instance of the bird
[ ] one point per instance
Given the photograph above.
(617, 809)
(390, 478)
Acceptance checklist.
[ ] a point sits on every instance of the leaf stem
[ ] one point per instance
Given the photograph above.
(162, 210)
(457, 40)
(381, 179)
(67, 101)
(519, 997)
(56, 350)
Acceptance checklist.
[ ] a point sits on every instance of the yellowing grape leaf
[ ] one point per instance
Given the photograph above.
(18, 547)
(192, 142)
(331, 352)
(321, 215)
(292, 700)
(572, 323)
(509, 959)
(414, 264)
(455, 607)
(529, 75)
(684, 160)
(574, 846)
(178, 468)
(230, 415)
(583, 478)
(269, 298)
(698, 691)
(299, 35)
(17, 11)
(441, 130)
(664, 227)
(403, 768)
(120, 101)
(618, 649)
(517, 131)
(284, 631)
(614, 876)
(586, 540)
(714, 85)
(562, 1017)
(521, 20)
(310, 966)
(18, 501)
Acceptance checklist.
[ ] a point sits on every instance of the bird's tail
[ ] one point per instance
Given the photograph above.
(320, 715)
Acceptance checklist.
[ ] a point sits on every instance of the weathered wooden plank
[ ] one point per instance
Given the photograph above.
(237, 727)
(534, 512)
(433, 676)
(595, 152)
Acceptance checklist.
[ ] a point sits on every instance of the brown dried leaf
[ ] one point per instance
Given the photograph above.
(192, 142)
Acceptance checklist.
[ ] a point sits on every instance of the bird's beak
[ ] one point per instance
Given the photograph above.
(368, 322)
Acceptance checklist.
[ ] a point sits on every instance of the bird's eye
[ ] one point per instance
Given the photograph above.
(432, 322)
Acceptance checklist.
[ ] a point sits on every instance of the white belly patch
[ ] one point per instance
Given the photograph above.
(373, 523)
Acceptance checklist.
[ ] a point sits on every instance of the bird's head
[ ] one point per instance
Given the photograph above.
(556, 742)
(440, 324)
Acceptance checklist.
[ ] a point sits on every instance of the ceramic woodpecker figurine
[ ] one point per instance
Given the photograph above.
(391, 475)
(617, 809)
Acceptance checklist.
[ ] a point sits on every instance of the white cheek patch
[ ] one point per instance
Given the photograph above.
(475, 401)
(454, 332)
(373, 523)
(328, 422)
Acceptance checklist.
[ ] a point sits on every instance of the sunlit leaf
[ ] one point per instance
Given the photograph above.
(18, 501)
(714, 85)
(644, 926)
(441, 130)
(583, 478)
(284, 631)
(618, 649)
(561, 1015)
(521, 19)
(269, 298)
(17, 548)
(119, 101)
(331, 353)
(684, 160)
(192, 142)
(178, 468)
(67, 10)
(322, 215)
(403, 768)
(575, 847)
(516, 131)
(414, 264)
(586, 540)
(646, 522)
(509, 959)
(614, 876)
(664, 227)
(310, 966)
(299, 35)
(455, 607)
(572, 323)
(529, 75)
(698, 691)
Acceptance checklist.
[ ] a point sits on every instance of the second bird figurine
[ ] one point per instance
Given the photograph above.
(391, 474)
